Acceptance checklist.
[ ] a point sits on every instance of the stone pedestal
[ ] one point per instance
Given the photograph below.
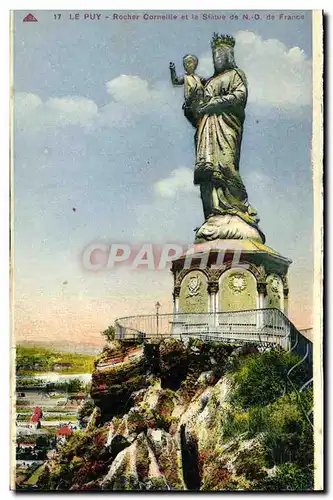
(230, 275)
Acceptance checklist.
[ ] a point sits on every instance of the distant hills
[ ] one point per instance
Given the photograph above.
(34, 359)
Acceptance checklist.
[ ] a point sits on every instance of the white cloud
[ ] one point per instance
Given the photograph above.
(171, 217)
(175, 199)
(70, 111)
(26, 103)
(134, 99)
(116, 114)
(133, 90)
(131, 99)
(128, 89)
(179, 182)
(32, 114)
(279, 77)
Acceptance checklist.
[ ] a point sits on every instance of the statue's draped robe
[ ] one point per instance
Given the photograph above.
(218, 143)
(192, 83)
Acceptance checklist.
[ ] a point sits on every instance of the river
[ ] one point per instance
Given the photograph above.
(56, 377)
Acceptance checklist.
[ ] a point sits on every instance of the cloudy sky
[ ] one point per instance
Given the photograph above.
(99, 128)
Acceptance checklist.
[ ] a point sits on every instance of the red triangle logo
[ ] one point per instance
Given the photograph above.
(30, 19)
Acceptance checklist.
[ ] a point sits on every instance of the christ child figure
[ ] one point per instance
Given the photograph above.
(192, 82)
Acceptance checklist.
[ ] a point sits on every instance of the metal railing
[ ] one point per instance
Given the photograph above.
(256, 326)
(302, 346)
(269, 326)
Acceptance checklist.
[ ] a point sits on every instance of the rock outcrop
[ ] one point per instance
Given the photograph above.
(166, 418)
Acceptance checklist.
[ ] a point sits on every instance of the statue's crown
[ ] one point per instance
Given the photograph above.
(219, 40)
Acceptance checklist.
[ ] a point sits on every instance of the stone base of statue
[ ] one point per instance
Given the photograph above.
(230, 275)
(228, 227)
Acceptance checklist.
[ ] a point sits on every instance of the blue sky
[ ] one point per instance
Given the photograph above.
(99, 127)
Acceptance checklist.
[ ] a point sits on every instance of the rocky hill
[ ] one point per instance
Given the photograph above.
(170, 415)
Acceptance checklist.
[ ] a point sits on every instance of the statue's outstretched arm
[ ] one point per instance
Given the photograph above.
(176, 80)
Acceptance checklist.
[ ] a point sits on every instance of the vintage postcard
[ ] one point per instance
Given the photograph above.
(166, 250)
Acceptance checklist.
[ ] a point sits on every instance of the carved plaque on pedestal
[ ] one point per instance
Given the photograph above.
(193, 297)
(238, 291)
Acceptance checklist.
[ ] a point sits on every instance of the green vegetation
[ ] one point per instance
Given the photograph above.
(70, 386)
(60, 418)
(58, 409)
(85, 411)
(23, 418)
(288, 477)
(261, 379)
(49, 418)
(59, 389)
(49, 409)
(35, 475)
(22, 402)
(261, 408)
(83, 458)
(51, 430)
(29, 382)
(35, 359)
(109, 333)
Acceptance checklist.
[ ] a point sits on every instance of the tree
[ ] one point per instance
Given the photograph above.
(42, 442)
(109, 333)
(85, 411)
(74, 385)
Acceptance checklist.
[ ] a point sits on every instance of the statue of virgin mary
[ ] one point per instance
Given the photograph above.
(219, 116)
